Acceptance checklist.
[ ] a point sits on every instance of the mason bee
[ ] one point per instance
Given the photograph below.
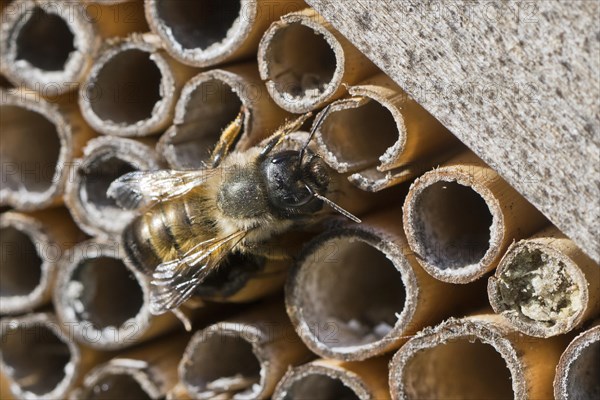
(191, 220)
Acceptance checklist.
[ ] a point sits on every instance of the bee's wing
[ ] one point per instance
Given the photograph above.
(174, 281)
(143, 188)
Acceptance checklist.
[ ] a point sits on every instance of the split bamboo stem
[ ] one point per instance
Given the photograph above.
(545, 285)
(132, 87)
(31, 246)
(357, 291)
(38, 142)
(579, 367)
(208, 103)
(334, 380)
(305, 62)
(40, 360)
(147, 372)
(105, 159)
(381, 135)
(210, 32)
(460, 218)
(475, 357)
(242, 358)
(105, 301)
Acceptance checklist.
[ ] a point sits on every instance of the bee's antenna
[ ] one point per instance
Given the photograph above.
(316, 126)
(336, 207)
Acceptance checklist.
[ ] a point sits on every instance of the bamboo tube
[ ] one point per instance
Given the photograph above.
(579, 366)
(5, 393)
(104, 160)
(333, 380)
(409, 139)
(305, 62)
(38, 141)
(147, 372)
(210, 32)
(475, 357)
(31, 246)
(132, 87)
(460, 218)
(39, 359)
(357, 291)
(545, 285)
(105, 301)
(242, 358)
(208, 103)
(178, 393)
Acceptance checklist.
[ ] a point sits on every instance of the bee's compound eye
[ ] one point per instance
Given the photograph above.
(285, 157)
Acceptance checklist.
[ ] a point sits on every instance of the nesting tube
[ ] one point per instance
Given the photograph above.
(305, 62)
(147, 372)
(208, 103)
(477, 357)
(31, 246)
(38, 142)
(105, 159)
(460, 218)
(546, 285)
(381, 135)
(132, 87)
(579, 366)
(46, 46)
(242, 358)
(105, 301)
(210, 32)
(357, 291)
(333, 380)
(39, 359)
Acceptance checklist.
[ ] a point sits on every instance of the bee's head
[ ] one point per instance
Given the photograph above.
(292, 182)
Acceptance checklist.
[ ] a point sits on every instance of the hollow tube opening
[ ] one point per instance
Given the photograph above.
(37, 358)
(45, 41)
(459, 369)
(452, 222)
(104, 292)
(32, 169)
(126, 88)
(322, 387)
(301, 63)
(582, 380)
(353, 291)
(20, 266)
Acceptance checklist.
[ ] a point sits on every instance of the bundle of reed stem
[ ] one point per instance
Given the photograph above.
(395, 306)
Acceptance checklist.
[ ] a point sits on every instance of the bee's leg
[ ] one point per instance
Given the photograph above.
(282, 132)
(228, 138)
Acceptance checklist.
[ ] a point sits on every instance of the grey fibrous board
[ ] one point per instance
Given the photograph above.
(517, 82)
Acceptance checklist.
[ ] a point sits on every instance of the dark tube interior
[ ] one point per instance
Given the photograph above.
(126, 88)
(29, 149)
(211, 107)
(109, 294)
(459, 369)
(452, 222)
(37, 357)
(351, 292)
(321, 387)
(20, 263)
(582, 381)
(301, 62)
(116, 387)
(198, 24)
(45, 41)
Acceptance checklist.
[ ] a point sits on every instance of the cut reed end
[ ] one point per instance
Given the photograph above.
(33, 178)
(454, 225)
(40, 361)
(351, 295)
(105, 159)
(102, 298)
(45, 46)
(202, 33)
(447, 362)
(302, 62)
(540, 290)
(579, 367)
(130, 90)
